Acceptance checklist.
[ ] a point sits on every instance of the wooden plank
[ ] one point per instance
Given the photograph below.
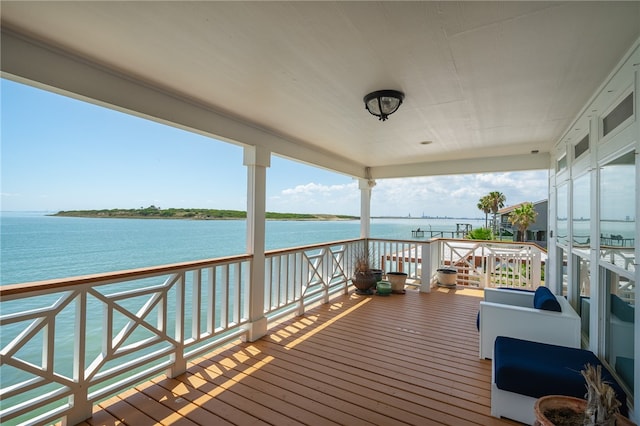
(161, 413)
(197, 405)
(126, 413)
(402, 359)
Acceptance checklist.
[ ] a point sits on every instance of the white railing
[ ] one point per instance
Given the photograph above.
(66, 344)
(300, 277)
(493, 264)
(478, 263)
(398, 256)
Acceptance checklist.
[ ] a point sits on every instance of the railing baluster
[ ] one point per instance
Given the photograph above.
(237, 295)
(224, 289)
(196, 300)
(211, 306)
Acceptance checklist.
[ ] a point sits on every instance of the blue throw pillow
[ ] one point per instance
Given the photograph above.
(544, 299)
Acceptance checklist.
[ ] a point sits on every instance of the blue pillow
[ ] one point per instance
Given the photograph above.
(544, 299)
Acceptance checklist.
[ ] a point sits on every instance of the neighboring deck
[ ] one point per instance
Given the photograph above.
(402, 359)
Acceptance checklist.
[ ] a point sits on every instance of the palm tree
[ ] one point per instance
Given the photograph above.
(523, 216)
(496, 201)
(484, 205)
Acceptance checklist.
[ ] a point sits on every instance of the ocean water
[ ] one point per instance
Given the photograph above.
(34, 246)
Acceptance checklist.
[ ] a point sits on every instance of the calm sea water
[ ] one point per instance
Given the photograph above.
(36, 247)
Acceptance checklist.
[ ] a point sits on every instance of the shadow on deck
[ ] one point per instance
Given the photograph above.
(402, 359)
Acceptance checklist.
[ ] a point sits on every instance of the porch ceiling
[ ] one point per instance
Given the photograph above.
(486, 82)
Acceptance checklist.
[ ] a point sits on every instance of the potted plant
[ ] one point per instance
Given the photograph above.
(364, 277)
(601, 408)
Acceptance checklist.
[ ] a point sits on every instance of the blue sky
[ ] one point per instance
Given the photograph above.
(59, 153)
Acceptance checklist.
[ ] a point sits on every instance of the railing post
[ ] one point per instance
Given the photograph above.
(536, 265)
(491, 265)
(82, 408)
(257, 159)
(179, 365)
(427, 273)
(303, 278)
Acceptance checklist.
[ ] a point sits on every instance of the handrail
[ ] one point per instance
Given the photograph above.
(110, 277)
(288, 250)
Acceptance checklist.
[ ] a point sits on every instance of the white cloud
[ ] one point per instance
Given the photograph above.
(317, 198)
(454, 196)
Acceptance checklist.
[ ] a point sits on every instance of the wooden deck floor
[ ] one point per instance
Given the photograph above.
(402, 359)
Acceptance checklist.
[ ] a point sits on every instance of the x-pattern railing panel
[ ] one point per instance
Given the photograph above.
(299, 276)
(66, 343)
(493, 264)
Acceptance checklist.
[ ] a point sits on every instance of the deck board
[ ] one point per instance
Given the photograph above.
(397, 360)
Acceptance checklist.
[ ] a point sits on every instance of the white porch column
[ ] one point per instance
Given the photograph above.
(257, 159)
(366, 185)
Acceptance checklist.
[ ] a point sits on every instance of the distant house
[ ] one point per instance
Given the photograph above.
(537, 232)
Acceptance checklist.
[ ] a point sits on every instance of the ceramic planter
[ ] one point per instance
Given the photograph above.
(397, 280)
(447, 277)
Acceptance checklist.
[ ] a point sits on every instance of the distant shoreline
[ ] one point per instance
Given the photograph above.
(191, 214)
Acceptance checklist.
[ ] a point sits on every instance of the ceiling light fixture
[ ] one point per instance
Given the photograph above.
(383, 103)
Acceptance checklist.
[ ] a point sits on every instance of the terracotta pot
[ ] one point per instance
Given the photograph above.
(576, 405)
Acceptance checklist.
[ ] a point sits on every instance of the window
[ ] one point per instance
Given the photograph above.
(620, 331)
(562, 209)
(582, 290)
(617, 211)
(581, 203)
(561, 164)
(581, 147)
(618, 115)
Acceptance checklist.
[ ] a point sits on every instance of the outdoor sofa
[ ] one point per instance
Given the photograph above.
(539, 316)
(524, 371)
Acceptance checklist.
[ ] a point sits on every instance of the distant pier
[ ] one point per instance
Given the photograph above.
(462, 229)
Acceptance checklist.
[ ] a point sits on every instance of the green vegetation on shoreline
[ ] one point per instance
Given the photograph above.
(153, 212)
